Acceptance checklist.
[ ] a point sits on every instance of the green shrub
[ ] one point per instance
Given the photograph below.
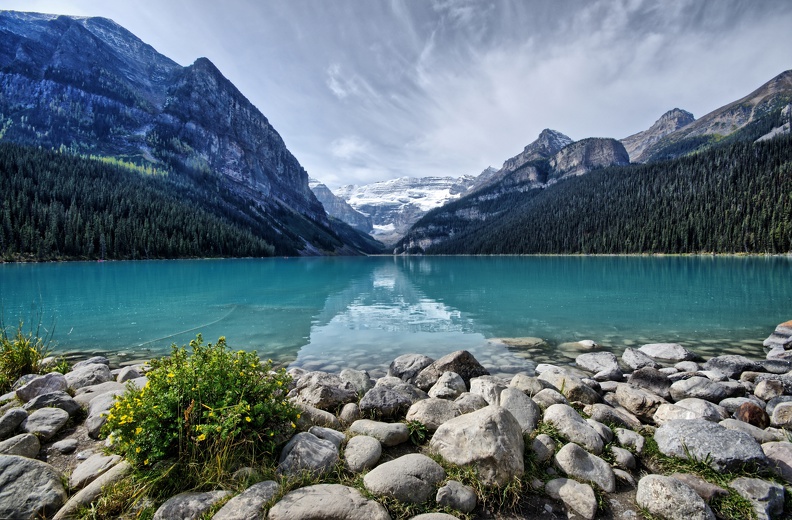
(20, 354)
(209, 404)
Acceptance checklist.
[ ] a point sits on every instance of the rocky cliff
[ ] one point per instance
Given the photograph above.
(669, 122)
(588, 154)
(337, 207)
(88, 86)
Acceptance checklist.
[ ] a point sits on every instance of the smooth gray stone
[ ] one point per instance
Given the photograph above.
(306, 452)
(578, 497)
(467, 402)
(699, 387)
(91, 468)
(46, 384)
(668, 351)
(761, 436)
(362, 452)
(570, 386)
(623, 458)
(327, 502)
(671, 499)
(324, 391)
(95, 360)
(24, 445)
(407, 367)
(725, 449)
(638, 401)
(732, 365)
(349, 413)
(389, 434)
(29, 488)
(582, 465)
(88, 375)
(544, 448)
(457, 496)
(11, 420)
(410, 478)
(607, 414)
(522, 407)
(127, 373)
(460, 362)
(312, 416)
(45, 423)
(189, 506)
(767, 498)
(548, 397)
(779, 456)
(248, 504)
(488, 387)
(630, 439)
(86, 394)
(328, 434)
(529, 385)
(636, 359)
(598, 362)
(432, 412)
(65, 446)
(360, 379)
(449, 386)
(573, 427)
(92, 491)
(651, 379)
(382, 401)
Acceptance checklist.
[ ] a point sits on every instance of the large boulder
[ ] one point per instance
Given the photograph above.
(382, 401)
(601, 364)
(461, 362)
(582, 465)
(410, 478)
(671, 499)
(573, 427)
(29, 488)
(24, 445)
(407, 367)
(248, 504)
(571, 386)
(45, 423)
(724, 449)
(488, 387)
(639, 402)
(521, 407)
(48, 383)
(449, 386)
(327, 502)
(60, 400)
(489, 439)
(432, 412)
(91, 492)
(389, 434)
(636, 359)
(779, 457)
(651, 379)
(732, 365)
(668, 351)
(362, 452)
(88, 375)
(700, 387)
(307, 452)
(360, 379)
(324, 391)
(91, 468)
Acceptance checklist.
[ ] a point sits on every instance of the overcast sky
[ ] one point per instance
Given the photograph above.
(367, 90)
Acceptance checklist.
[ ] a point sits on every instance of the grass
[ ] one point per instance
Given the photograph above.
(21, 353)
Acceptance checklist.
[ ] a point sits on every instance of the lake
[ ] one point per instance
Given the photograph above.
(332, 313)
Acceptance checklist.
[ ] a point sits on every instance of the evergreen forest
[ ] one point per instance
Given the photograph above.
(732, 198)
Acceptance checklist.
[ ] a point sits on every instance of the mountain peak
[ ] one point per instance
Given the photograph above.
(668, 123)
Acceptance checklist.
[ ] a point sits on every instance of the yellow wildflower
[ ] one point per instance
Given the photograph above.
(145, 462)
(298, 416)
(138, 430)
(171, 374)
(293, 425)
(247, 419)
(201, 437)
(137, 450)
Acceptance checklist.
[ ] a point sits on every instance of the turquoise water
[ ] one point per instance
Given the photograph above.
(363, 312)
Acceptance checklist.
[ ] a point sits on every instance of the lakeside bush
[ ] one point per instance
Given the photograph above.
(20, 353)
(205, 404)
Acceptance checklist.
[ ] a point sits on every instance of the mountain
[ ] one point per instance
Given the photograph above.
(88, 86)
(395, 205)
(553, 157)
(669, 122)
(338, 208)
(748, 118)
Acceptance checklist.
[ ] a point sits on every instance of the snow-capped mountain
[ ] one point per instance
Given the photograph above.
(396, 204)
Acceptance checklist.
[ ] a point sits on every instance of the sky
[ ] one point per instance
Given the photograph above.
(369, 90)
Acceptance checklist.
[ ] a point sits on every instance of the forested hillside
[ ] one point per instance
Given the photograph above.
(735, 198)
(56, 206)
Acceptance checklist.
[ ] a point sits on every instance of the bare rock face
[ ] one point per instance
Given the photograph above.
(588, 154)
(669, 122)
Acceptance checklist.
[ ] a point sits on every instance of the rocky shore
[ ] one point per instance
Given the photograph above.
(589, 440)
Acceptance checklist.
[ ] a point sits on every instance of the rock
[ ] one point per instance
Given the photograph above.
(92, 491)
(328, 434)
(570, 386)
(761, 436)
(687, 366)
(652, 380)
(730, 404)
(457, 496)
(461, 362)
(521, 407)
(23, 445)
(752, 414)
(625, 477)
(609, 415)
(488, 387)
(189, 506)
(11, 420)
(95, 360)
(578, 497)
(731, 365)
(324, 391)
(573, 427)
(127, 373)
(362, 452)
(623, 458)
(88, 393)
(598, 362)
(88, 375)
(636, 359)
(775, 401)
(29, 488)
(671, 412)
(48, 383)
(630, 439)
(699, 387)
(489, 439)
(432, 412)
(46, 422)
(467, 402)
(671, 499)
(306, 452)
(91, 468)
(704, 440)
(642, 403)
(60, 400)
(408, 366)
(779, 457)
(312, 416)
(248, 504)
(359, 379)
(349, 413)
(768, 389)
(544, 448)
(704, 409)
(776, 366)
(97, 413)
(781, 337)
(327, 502)
(582, 465)
(782, 416)
(65, 446)
(702, 488)
(767, 498)
(434, 516)
(548, 397)
(449, 386)
(529, 385)
(389, 434)
(668, 351)
(410, 478)
(382, 401)
(602, 430)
